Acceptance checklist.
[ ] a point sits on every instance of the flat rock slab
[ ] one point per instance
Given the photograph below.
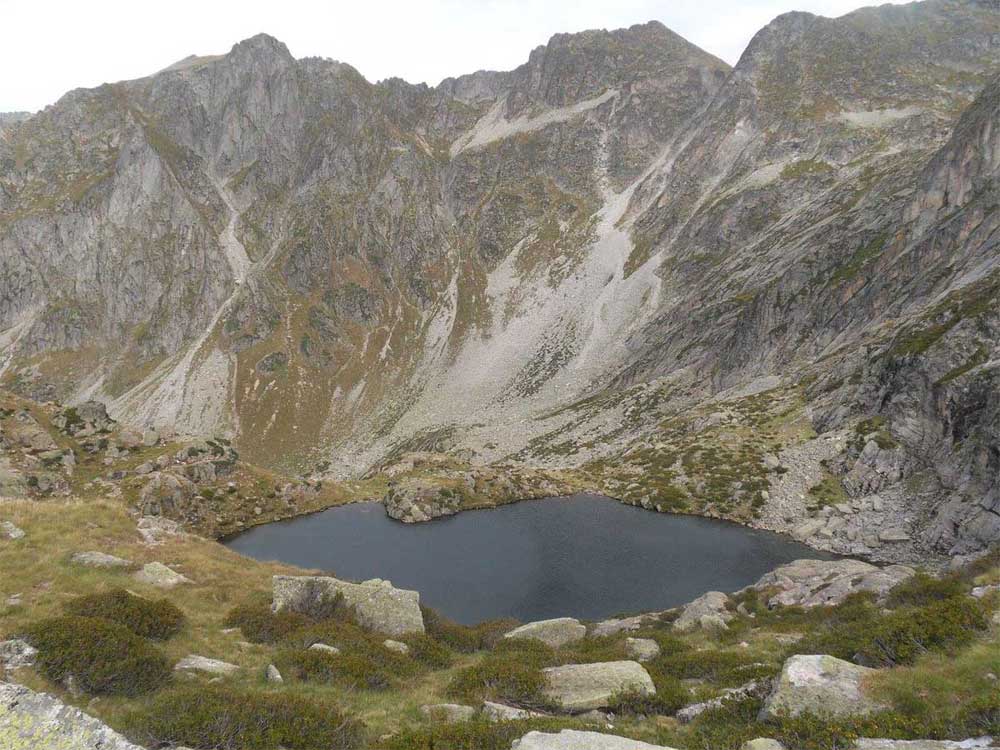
(581, 687)
(100, 560)
(377, 604)
(195, 663)
(813, 583)
(571, 739)
(448, 712)
(501, 712)
(159, 575)
(822, 685)
(32, 721)
(762, 743)
(554, 633)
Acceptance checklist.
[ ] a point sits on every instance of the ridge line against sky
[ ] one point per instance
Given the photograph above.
(49, 47)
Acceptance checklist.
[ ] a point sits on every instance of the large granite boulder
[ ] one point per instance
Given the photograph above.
(572, 739)
(812, 583)
(819, 684)
(582, 687)
(708, 611)
(159, 575)
(554, 633)
(33, 721)
(377, 604)
(642, 649)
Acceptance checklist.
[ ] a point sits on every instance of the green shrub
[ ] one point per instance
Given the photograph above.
(349, 670)
(231, 719)
(157, 619)
(723, 668)
(428, 652)
(922, 589)
(104, 658)
(589, 650)
(512, 673)
(260, 625)
(364, 662)
(874, 638)
(465, 638)
(670, 697)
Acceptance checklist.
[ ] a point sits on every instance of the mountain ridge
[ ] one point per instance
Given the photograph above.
(334, 271)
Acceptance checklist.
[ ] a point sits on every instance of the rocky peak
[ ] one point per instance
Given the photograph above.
(575, 67)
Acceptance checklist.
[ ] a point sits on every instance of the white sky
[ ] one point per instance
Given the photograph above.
(48, 47)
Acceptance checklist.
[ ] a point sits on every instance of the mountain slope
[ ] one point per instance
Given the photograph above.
(540, 265)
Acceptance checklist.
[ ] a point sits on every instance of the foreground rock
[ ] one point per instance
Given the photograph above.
(30, 721)
(554, 633)
(571, 739)
(709, 612)
(581, 687)
(762, 743)
(377, 604)
(100, 560)
(195, 663)
(159, 575)
(448, 712)
(819, 684)
(813, 583)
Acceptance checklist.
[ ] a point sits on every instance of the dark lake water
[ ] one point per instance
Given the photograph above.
(585, 556)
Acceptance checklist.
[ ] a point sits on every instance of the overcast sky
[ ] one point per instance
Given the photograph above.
(49, 47)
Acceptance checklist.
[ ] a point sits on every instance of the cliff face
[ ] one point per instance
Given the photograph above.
(333, 270)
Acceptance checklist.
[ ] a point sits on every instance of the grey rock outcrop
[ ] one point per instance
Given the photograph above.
(10, 532)
(811, 583)
(501, 712)
(709, 611)
(555, 633)
(30, 720)
(581, 687)
(822, 685)
(690, 713)
(969, 744)
(377, 604)
(16, 653)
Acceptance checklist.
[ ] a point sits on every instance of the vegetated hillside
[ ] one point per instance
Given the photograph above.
(562, 264)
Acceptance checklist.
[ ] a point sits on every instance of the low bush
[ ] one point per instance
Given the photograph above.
(231, 719)
(512, 673)
(465, 638)
(722, 668)
(260, 625)
(872, 637)
(428, 651)
(923, 589)
(157, 619)
(592, 649)
(354, 671)
(670, 697)
(364, 662)
(103, 657)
